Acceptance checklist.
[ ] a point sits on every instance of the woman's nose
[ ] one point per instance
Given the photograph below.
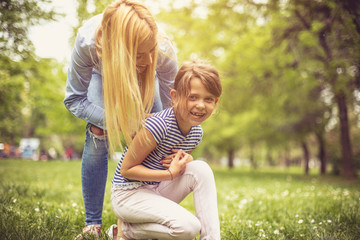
(148, 59)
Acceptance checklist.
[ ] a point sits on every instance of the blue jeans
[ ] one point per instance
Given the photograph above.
(94, 169)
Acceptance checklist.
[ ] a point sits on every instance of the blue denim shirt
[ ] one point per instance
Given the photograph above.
(84, 92)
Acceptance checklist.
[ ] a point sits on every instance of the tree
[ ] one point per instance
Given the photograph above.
(334, 52)
(15, 18)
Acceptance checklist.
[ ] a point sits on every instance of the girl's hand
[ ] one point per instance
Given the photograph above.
(166, 161)
(178, 164)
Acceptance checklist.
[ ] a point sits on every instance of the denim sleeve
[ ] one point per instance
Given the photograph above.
(80, 73)
(166, 70)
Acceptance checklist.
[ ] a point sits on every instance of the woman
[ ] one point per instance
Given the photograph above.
(121, 69)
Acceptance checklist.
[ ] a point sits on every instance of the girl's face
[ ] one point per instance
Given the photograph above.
(145, 54)
(199, 106)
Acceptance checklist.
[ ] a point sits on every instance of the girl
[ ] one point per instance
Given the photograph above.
(146, 190)
(112, 74)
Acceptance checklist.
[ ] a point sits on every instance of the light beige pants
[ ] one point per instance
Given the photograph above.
(153, 211)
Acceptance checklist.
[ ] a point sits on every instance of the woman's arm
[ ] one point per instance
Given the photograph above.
(140, 148)
(80, 72)
(166, 68)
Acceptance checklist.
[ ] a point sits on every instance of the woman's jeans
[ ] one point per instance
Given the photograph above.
(94, 169)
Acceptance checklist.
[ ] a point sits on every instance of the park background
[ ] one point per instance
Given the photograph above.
(290, 112)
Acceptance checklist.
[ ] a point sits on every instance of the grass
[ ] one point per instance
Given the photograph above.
(43, 200)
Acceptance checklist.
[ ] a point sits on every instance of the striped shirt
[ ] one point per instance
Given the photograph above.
(167, 134)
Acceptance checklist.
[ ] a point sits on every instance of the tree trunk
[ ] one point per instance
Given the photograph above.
(252, 158)
(306, 156)
(231, 154)
(347, 158)
(322, 153)
(269, 158)
(287, 158)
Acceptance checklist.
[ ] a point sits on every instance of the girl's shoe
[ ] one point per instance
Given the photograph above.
(112, 232)
(90, 230)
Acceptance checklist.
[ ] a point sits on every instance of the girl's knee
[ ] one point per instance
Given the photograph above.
(200, 168)
(189, 229)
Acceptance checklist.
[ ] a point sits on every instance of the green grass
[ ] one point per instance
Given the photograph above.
(43, 200)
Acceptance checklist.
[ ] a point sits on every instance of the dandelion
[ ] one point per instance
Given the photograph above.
(37, 209)
(14, 201)
(296, 215)
(282, 228)
(74, 204)
(285, 193)
(276, 232)
(329, 221)
(315, 227)
(261, 230)
(312, 221)
(320, 223)
(300, 221)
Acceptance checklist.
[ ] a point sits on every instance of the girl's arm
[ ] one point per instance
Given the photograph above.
(143, 144)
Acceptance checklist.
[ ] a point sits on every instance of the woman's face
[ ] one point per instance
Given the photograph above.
(145, 54)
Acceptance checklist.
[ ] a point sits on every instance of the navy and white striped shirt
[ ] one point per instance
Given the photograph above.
(167, 134)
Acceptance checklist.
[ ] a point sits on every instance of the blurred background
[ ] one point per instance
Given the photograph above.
(290, 71)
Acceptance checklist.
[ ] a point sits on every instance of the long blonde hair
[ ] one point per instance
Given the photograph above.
(128, 96)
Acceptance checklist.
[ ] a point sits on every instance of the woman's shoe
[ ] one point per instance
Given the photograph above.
(90, 230)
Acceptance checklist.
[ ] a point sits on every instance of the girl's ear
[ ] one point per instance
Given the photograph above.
(216, 100)
(173, 94)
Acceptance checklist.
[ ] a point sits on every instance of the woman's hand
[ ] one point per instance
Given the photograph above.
(178, 163)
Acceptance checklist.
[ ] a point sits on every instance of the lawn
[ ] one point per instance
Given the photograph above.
(43, 200)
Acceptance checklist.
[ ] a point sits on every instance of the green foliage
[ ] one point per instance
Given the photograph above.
(281, 63)
(43, 200)
(11, 104)
(15, 18)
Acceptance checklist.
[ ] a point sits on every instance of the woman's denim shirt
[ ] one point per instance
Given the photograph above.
(84, 94)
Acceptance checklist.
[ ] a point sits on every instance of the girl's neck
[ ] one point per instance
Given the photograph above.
(184, 128)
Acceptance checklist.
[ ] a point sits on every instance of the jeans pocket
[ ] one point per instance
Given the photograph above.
(93, 135)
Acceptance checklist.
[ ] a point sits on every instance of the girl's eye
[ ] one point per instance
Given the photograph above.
(192, 97)
(210, 100)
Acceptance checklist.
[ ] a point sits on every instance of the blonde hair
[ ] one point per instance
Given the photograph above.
(128, 95)
(200, 69)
